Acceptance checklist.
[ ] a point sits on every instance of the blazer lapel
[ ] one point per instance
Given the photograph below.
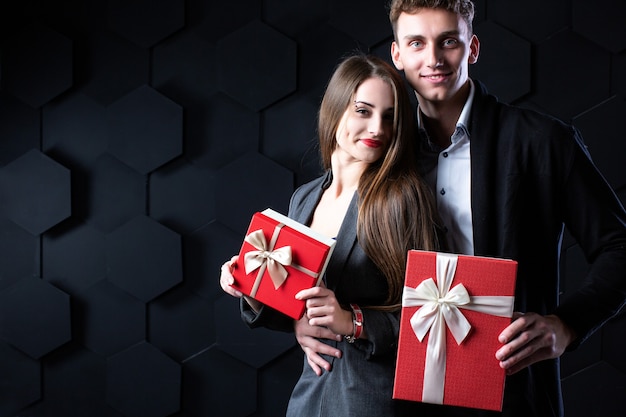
(346, 240)
(482, 148)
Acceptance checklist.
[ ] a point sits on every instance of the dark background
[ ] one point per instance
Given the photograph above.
(138, 136)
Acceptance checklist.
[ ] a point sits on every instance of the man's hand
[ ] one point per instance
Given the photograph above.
(307, 336)
(532, 338)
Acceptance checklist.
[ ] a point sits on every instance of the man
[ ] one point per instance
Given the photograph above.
(507, 181)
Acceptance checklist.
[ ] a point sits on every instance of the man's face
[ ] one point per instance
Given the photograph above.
(434, 49)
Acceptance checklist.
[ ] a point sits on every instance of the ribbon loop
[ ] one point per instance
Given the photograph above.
(274, 260)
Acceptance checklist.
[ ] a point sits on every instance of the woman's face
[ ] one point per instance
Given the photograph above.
(365, 130)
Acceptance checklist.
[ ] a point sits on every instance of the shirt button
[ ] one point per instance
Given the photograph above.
(442, 192)
(445, 154)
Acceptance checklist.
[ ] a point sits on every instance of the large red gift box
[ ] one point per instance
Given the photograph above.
(454, 307)
(278, 258)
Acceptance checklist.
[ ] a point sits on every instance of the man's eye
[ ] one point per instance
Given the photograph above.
(450, 42)
(415, 44)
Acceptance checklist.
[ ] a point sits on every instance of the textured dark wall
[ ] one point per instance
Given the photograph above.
(138, 136)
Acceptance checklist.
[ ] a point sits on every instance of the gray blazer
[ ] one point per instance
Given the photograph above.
(361, 382)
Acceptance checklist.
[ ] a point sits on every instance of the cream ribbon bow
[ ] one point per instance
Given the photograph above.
(267, 256)
(440, 307)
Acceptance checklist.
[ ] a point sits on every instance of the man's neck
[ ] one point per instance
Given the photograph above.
(440, 118)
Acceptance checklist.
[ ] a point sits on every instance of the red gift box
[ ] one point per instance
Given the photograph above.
(454, 307)
(278, 258)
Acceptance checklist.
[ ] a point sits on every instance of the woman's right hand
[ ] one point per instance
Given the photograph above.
(227, 279)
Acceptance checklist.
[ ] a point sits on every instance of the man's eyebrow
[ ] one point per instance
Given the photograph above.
(445, 34)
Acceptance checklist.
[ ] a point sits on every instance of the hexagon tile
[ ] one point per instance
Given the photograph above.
(36, 192)
(37, 65)
(23, 375)
(143, 382)
(497, 72)
(240, 75)
(109, 320)
(146, 22)
(144, 258)
(145, 129)
(35, 317)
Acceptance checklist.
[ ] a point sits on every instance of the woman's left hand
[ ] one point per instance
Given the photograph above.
(323, 309)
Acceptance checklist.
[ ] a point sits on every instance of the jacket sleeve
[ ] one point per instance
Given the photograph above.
(382, 334)
(266, 317)
(596, 219)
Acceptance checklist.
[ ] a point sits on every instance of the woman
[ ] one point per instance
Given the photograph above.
(373, 201)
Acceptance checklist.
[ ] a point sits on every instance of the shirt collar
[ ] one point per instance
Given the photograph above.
(464, 117)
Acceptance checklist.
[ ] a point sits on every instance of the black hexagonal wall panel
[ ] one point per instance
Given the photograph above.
(217, 384)
(109, 319)
(234, 337)
(80, 139)
(21, 376)
(320, 50)
(145, 129)
(287, 16)
(75, 381)
(178, 324)
(35, 317)
(146, 22)
(184, 68)
(214, 20)
(115, 66)
(510, 78)
(37, 65)
(240, 75)
(143, 382)
(368, 23)
(535, 20)
(18, 249)
(603, 398)
(276, 382)
(205, 250)
(606, 30)
(618, 68)
(116, 194)
(36, 191)
(74, 260)
(144, 258)
(211, 128)
(19, 127)
(600, 127)
(195, 202)
(261, 182)
(562, 51)
(296, 115)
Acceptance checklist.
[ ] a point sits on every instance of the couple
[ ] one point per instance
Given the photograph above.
(506, 182)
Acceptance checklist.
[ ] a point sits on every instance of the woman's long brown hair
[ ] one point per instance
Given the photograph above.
(396, 208)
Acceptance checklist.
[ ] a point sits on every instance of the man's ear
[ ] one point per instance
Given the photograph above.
(474, 49)
(395, 56)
